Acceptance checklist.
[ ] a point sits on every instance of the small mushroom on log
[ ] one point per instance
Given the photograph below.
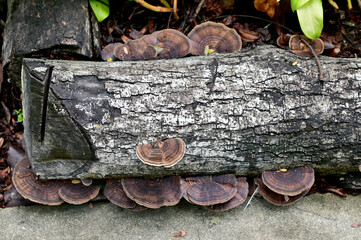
(163, 153)
(238, 199)
(275, 198)
(135, 50)
(209, 190)
(290, 182)
(39, 191)
(153, 193)
(211, 37)
(78, 193)
(298, 47)
(107, 53)
(86, 182)
(170, 43)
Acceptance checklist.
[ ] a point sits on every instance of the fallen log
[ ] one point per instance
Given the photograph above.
(237, 113)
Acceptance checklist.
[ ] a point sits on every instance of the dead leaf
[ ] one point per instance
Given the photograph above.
(355, 225)
(267, 6)
(91, 205)
(179, 234)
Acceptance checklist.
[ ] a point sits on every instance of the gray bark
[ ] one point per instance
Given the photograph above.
(238, 113)
(33, 27)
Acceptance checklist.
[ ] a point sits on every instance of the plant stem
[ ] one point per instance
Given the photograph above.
(165, 3)
(175, 3)
(152, 7)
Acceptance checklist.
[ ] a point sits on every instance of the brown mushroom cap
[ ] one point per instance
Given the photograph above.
(275, 198)
(135, 50)
(108, 51)
(114, 192)
(238, 199)
(39, 191)
(171, 43)
(86, 182)
(78, 193)
(153, 193)
(298, 47)
(163, 153)
(291, 182)
(210, 190)
(216, 36)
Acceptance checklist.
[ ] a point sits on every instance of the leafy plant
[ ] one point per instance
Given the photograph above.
(100, 9)
(310, 16)
(19, 113)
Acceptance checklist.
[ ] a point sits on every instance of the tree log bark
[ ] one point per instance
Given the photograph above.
(238, 113)
(38, 27)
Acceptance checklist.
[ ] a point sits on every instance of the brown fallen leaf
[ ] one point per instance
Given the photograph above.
(179, 234)
(267, 6)
(355, 225)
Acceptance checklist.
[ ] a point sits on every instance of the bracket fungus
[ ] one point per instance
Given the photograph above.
(153, 193)
(135, 50)
(291, 182)
(238, 199)
(114, 192)
(86, 182)
(163, 153)
(285, 187)
(107, 53)
(209, 190)
(275, 198)
(298, 47)
(78, 193)
(211, 37)
(39, 191)
(170, 43)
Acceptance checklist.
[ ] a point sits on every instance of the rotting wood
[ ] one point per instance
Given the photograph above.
(256, 112)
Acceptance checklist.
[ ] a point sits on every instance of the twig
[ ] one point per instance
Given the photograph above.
(198, 8)
(175, 3)
(249, 201)
(320, 77)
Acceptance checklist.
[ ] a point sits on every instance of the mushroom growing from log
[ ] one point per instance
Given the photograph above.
(285, 187)
(209, 190)
(135, 50)
(290, 182)
(170, 43)
(39, 191)
(211, 37)
(78, 193)
(275, 198)
(153, 193)
(238, 199)
(298, 47)
(163, 153)
(107, 53)
(114, 192)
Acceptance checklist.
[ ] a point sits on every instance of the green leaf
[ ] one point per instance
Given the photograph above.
(100, 9)
(296, 4)
(310, 17)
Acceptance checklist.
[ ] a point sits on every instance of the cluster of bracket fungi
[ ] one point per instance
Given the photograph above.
(217, 192)
(204, 39)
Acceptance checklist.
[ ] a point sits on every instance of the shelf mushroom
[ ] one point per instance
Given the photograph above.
(169, 43)
(39, 191)
(153, 193)
(78, 193)
(163, 153)
(209, 190)
(299, 48)
(238, 199)
(211, 37)
(114, 192)
(285, 187)
(135, 50)
(107, 53)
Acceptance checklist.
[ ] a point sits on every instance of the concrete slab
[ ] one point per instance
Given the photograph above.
(314, 217)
